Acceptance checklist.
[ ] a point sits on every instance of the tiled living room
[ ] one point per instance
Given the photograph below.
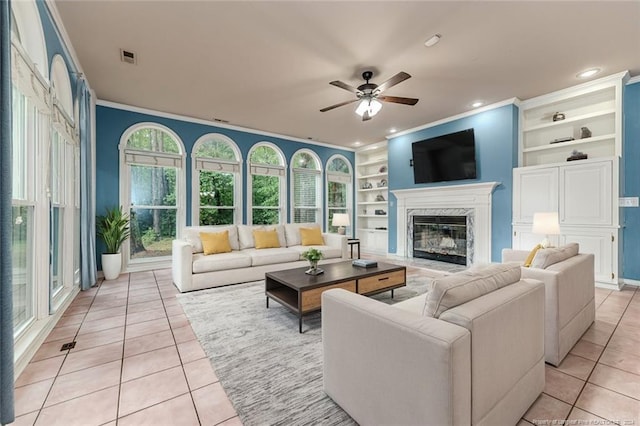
(189, 183)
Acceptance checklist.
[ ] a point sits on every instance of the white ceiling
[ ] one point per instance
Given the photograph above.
(267, 65)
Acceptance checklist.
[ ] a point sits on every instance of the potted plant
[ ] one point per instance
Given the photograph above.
(313, 256)
(113, 229)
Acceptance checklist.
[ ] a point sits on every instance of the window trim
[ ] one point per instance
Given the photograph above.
(125, 191)
(319, 184)
(271, 170)
(349, 202)
(195, 177)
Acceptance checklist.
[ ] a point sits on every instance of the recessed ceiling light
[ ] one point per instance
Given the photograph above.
(433, 40)
(477, 104)
(357, 143)
(392, 130)
(588, 73)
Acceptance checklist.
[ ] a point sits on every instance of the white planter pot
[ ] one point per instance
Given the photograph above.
(111, 265)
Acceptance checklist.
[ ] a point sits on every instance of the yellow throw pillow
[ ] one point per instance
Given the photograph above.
(266, 239)
(532, 254)
(311, 237)
(215, 242)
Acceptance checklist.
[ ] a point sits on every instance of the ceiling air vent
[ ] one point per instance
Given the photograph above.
(127, 56)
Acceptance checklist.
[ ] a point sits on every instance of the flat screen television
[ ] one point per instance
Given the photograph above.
(445, 158)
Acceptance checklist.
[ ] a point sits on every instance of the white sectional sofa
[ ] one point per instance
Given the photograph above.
(193, 270)
(470, 352)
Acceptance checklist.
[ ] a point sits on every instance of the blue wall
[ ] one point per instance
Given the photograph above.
(111, 123)
(631, 176)
(55, 45)
(496, 133)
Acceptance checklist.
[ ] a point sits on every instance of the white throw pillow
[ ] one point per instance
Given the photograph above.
(549, 256)
(191, 234)
(456, 289)
(245, 234)
(292, 232)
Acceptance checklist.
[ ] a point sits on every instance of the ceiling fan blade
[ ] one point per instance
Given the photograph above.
(338, 105)
(398, 78)
(398, 100)
(366, 116)
(345, 86)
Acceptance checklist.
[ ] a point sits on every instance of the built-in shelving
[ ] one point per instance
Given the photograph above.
(584, 192)
(371, 170)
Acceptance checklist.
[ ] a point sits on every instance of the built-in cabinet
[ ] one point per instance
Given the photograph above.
(584, 192)
(581, 193)
(372, 206)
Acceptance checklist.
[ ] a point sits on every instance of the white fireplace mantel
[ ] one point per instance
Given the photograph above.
(475, 196)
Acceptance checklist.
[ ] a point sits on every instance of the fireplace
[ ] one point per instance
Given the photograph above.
(442, 238)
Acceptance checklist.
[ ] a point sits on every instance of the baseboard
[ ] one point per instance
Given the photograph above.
(630, 282)
(608, 286)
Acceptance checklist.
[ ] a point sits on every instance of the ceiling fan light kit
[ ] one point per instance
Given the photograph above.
(369, 106)
(369, 95)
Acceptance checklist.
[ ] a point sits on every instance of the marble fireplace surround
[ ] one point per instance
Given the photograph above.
(470, 200)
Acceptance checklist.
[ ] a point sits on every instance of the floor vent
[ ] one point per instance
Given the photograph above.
(127, 56)
(68, 346)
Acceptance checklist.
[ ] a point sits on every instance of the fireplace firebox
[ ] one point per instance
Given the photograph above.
(442, 238)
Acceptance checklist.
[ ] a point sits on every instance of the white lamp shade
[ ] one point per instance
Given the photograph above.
(340, 219)
(546, 223)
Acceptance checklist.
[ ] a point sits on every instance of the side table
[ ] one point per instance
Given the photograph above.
(354, 242)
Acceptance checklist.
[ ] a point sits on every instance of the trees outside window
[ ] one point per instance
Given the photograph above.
(305, 187)
(339, 189)
(217, 171)
(266, 185)
(153, 183)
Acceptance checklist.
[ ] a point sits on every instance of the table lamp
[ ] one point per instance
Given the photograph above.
(340, 220)
(546, 223)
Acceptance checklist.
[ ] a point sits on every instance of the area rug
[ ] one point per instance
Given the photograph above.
(272, 374)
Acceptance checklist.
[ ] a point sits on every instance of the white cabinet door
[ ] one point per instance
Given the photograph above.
(524, 239)
(534, 191)
(600, 244)
(585, 191)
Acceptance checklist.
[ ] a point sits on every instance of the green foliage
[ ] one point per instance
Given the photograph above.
(215, 149)
(149, 237)
(113, 228)
(151, 139)
(265, 155)
(312, 255)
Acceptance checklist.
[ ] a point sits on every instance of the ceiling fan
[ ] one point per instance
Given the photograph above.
(370, 95)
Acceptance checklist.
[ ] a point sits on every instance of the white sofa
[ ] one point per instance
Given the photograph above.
(192, 270)
(569, 281)
(479, 361)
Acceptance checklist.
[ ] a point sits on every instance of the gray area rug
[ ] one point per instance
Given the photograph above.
(271, 373)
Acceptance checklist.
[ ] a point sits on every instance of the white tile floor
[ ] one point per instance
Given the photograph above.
(137, 361)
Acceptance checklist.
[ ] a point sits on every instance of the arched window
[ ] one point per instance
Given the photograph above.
(30, 159)
(152, 190)
(267, 174)
(65, 203)
(306, 192)
(339, 190)
(217, 181)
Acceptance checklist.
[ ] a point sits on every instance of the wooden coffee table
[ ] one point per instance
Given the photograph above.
(301, 293)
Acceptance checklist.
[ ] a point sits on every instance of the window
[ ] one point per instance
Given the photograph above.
(23, 205)
(217, 196)
(339, 189)
(63, 215)
(305, 187)
(266, 185)
(152, 187)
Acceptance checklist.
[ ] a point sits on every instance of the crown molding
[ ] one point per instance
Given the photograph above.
(188, 119)
(511, 101)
